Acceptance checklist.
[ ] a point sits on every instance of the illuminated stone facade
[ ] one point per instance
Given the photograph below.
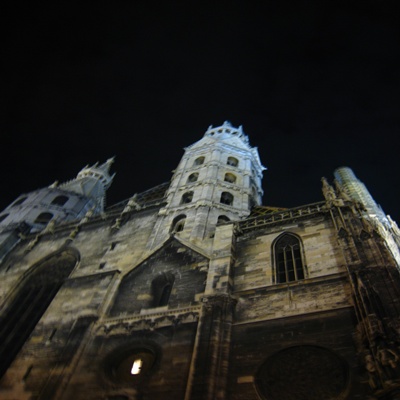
(194, 290)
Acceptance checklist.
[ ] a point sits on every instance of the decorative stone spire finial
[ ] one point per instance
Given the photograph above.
(92, 182)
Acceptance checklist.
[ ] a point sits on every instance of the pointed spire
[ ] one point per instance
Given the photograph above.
(105, 167)
(101, 173)
(92, 182)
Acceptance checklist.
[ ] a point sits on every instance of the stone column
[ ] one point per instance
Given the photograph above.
(210, 368)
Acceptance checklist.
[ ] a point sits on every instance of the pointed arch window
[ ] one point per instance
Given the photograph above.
(178, 223)
(199, 161)
(226, 198)
(161, 289)
(232, 161)
(289, 264)
(187, 198)
(231, 178)
(193, 177)
(43, 218)
(60, 200)
(34, 295)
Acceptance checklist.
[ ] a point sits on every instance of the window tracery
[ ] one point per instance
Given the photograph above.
(288, 259)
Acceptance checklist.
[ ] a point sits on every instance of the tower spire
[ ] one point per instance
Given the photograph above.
(92, 182)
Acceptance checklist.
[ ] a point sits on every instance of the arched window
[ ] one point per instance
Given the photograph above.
(34, 295)
(3, 217)
(60, 200)
(193, 177)
(187, 197)
(178, 223)
(226, 198)
(161, 288)
(232, 161)
(288, 259)
(20, 201)
(222, 219)
(230, 178)
(43, 218)
(199, 161)
(130, 366)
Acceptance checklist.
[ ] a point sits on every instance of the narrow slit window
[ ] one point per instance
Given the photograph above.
(162, 288)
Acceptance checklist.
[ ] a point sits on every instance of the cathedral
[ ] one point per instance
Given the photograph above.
(195, 290)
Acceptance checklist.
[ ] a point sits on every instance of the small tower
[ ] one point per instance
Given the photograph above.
(65, 202)
(217, 180)
(356, 190)
(92, 182)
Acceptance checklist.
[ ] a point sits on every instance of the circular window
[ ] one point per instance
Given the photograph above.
(132, 366)
(303, 373)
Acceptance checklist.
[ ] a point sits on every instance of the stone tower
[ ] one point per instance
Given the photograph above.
(32, 212)
(357, 191)
(217, 180)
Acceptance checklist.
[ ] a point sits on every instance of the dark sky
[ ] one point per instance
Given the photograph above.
(315, 85)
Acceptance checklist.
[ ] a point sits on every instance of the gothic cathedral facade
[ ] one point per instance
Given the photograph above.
(194, 290)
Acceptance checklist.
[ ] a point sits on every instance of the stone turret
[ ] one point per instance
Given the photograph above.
(92, 182)
(357, 191)
(217, 180)
(65, 202)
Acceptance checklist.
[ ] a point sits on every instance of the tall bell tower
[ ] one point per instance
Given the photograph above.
(217, 180)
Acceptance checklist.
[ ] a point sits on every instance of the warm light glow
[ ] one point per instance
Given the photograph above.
(136, 367)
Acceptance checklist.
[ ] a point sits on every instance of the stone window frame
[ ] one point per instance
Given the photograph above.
(30, 299)
(178, 223)
(232, 161)
(288, 259)
(161, 288)
(59, 200)
(199, 161)
(193, 177)
(44, 218)
(119, 363)
(187, 197)
(230, 178)
(227, 198)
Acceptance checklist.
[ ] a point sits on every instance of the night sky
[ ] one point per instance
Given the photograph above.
(315, 85)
